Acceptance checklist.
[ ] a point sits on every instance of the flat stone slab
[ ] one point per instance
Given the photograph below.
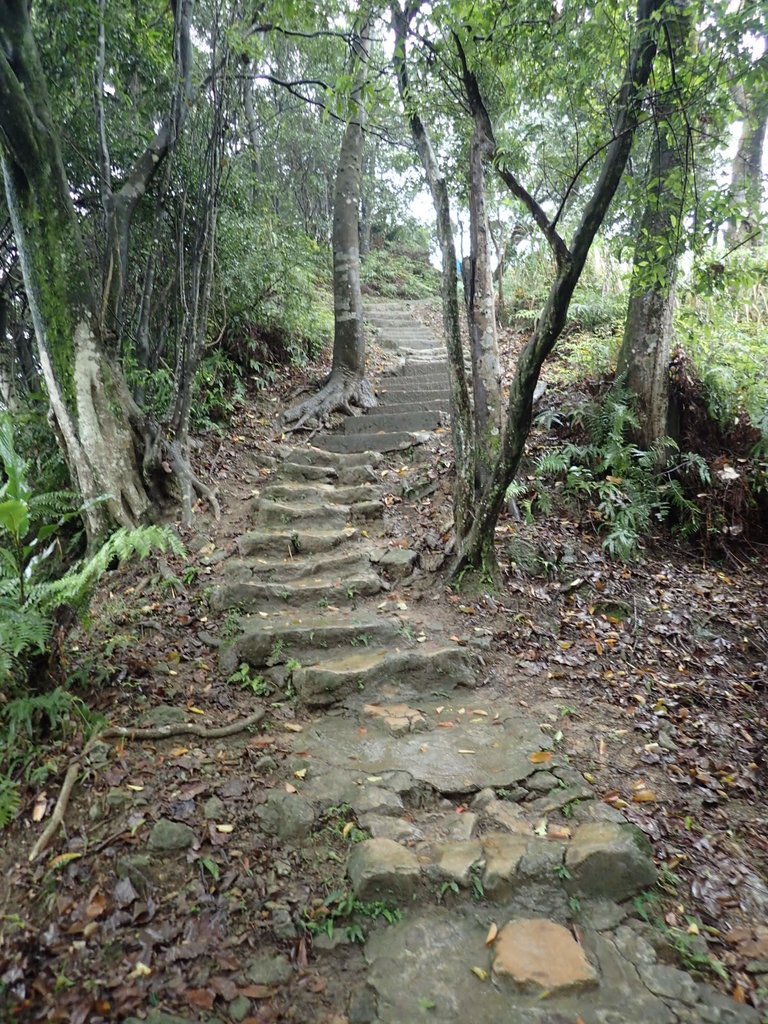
(422, 969)
(462, 759)
(536, 955)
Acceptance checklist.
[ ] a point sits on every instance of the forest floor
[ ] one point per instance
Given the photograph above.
(205, 878)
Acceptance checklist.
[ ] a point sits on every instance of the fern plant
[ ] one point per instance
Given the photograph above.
(627, 489)
(31, 594)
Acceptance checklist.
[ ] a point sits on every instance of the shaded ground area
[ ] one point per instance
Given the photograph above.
(467, 783)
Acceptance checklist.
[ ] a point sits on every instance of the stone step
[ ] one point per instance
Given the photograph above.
(373, 423)
(305, 637)
(295, 492)
(313, 591)
(272, 570)
(289, 542)
(408, 671)
(321, 515)
(316, 456)
(441, 404)
(384, 442)
(351, 476)
(435, 368)
(410, 391)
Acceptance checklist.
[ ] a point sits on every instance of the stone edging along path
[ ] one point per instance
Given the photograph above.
(464, 797)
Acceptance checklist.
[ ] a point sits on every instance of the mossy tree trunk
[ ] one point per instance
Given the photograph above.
(100, 443)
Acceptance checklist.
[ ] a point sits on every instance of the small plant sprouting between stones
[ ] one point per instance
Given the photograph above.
(341, 912)
(340, 821)
(449, 885)
(256, 684)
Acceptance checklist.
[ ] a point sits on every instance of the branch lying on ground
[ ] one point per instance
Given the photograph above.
(152, 733)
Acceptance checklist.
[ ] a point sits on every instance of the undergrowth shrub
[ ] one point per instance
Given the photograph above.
(36, 593)
(625, 491)
(273, 297)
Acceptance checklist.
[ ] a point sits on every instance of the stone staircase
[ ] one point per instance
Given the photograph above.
(413, 398)
(514, 880)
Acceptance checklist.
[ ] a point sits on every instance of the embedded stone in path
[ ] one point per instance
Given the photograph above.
(536, 955)
(462, 759)
(381, 868)
(609, 861)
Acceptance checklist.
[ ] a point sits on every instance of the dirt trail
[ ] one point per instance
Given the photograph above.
(398, 793)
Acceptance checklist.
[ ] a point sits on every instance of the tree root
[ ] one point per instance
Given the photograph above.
(157, 733)
(336, 395)
(160, 732)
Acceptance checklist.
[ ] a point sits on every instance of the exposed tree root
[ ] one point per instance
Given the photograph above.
(154, 733)
(338, 394)
(160, 732)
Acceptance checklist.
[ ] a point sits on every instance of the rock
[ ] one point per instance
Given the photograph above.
(398, 719)
(503, 854)
(398, 562)
(610, 861)
(375, 800)
(601, 915)
(542, 782)
(136, 868)
(159, 1017)
(117, 798)
(167, 836)
(463, 826)
(380, 867)
(166, 714)
(286, 815)
(500, 814)
(383, 827)
(454, 861)
(214, 809)
(634, 947)
(669, 983)
(483, 799)
(558, 798)
(269, 970)
(536, 955)
(595, 810)
(282, 923)
(239, 1008)
(362, 1005)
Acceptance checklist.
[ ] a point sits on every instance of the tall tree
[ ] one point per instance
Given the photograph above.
(347, 384)
(747, 170)
(644, 356)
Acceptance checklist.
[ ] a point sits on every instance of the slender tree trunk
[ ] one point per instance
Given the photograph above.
(644, 356)
(462, 428)
(347, 384)
(479, 298)
(747, 170)
(477, 551)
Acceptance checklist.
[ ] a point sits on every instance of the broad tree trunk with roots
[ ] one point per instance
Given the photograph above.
(123, 465)
(347, 385)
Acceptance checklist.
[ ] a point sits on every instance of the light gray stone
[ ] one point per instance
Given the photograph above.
(609, 861)
(269, 970)
(287, 815)
(380, 868)
(376, 800)
(214, 809)
(167, 836)
(239, 1008)
(454, 861)
(669, 983)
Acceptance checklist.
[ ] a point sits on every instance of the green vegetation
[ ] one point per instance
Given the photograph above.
(343, 912)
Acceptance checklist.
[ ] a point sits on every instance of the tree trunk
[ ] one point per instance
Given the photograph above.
(462, 429)
(747, 170)
(479, 297)
(347, 384)
(644, 356)
(99, 441)
(477, 552)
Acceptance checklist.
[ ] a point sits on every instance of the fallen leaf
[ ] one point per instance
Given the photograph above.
(194, 710)
(290, 788)
(179, 751)
(62, 859)
(134, 788)
(541, 828)
(493, 931)
(293, 727)
(301, 773)
(541, 757)
(467, 751)
(141, 970)
(38, 811)
(479, 973)
(256, 991)
(201, 998)
(225, 829)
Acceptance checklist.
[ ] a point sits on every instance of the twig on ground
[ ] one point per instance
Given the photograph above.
(156, 733)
